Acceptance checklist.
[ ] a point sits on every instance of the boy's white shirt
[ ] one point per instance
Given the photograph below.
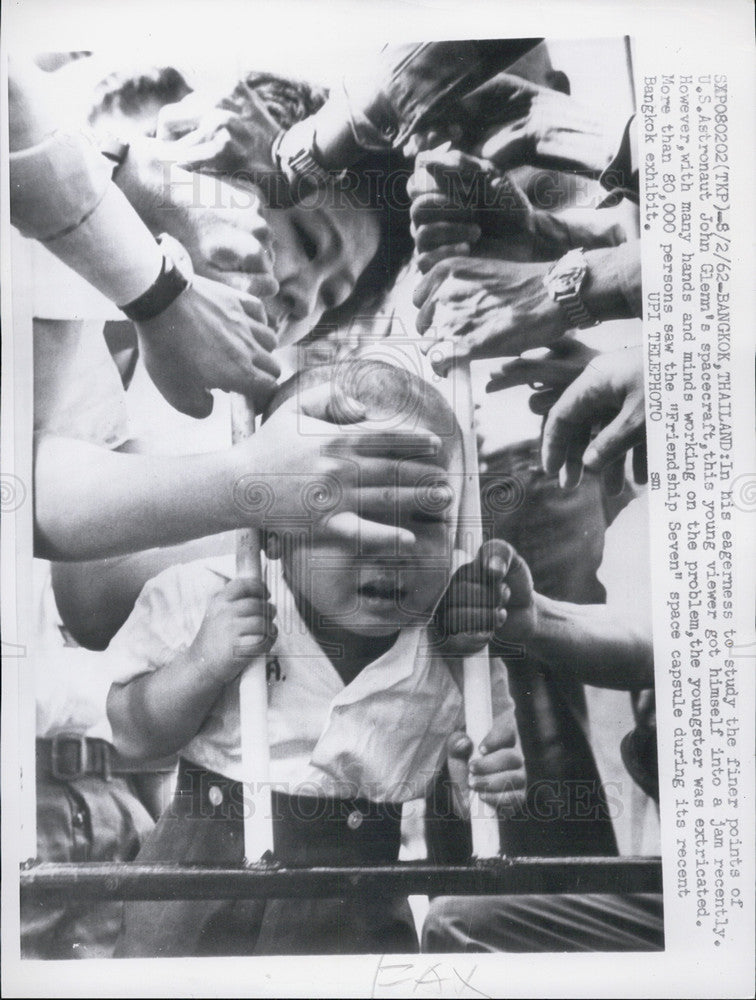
(382, 737)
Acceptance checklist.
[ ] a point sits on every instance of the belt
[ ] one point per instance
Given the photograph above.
(68, 756)
(307, 830)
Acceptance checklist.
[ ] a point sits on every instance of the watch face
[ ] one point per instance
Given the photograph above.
(569, 279)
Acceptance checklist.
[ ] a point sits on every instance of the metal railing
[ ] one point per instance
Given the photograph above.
(499, 876)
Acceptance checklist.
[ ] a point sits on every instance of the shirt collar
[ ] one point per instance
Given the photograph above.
(389, 669)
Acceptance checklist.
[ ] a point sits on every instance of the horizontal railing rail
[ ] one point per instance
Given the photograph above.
(502, 876)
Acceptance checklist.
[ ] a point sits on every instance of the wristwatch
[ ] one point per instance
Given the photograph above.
(175, 277)
(563, 282)
(294, 154)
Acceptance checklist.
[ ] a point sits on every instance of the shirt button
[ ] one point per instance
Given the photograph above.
(354, 820)
(215, 795)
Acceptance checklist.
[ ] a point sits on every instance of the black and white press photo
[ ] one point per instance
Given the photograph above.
(337, 585)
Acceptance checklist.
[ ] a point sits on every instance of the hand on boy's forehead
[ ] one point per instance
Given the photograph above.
(398, 404)
(421, 436)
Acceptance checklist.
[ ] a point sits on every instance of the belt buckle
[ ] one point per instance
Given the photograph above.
(55, 752)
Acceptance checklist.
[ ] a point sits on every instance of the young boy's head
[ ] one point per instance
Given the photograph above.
(337, 583)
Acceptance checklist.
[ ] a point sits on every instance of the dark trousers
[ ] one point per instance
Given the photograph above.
(203, 826)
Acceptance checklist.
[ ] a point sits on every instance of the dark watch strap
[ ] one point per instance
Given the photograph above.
(166, 288)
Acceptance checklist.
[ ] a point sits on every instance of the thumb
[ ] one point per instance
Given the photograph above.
(442, 354)
(541, 402)
(327, 402)
(613, 441)
(186, 395)
(493, 559)
(502, 735)
(459, 746)
(197, 403)
(240, 251)
(488, 568)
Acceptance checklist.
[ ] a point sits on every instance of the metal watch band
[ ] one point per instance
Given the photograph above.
(574, 309)
(293, 153)
(302, 165)
(570, 269)
(166, 288)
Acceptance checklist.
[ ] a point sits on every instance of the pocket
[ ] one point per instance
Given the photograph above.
(63, 823)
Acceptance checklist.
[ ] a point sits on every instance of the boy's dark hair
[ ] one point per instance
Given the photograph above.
(128, 92)
(378, 181)
(389, 393)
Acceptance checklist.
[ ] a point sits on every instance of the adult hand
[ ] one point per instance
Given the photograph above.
(210, 337)
(522, 123)
(610, 393)
(548, 372)
(460, 201)
(480, 308)
(444, 205)
(219, 223)
(496, 771)
(336, 472)
(493, 594)
(220, 139)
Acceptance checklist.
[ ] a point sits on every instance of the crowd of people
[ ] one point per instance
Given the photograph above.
(207, 237)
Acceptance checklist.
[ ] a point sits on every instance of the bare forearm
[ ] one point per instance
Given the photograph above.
(92, 503)
(591, 228)
(612, 289)
(595, 643)
(95, 598)
(157, 714)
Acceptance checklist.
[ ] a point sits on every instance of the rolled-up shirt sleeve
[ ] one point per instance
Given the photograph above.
(164, 622)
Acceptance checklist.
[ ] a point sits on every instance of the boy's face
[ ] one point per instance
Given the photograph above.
(377, 595)
(321, 248)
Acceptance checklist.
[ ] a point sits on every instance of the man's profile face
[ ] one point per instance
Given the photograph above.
(321, 248)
